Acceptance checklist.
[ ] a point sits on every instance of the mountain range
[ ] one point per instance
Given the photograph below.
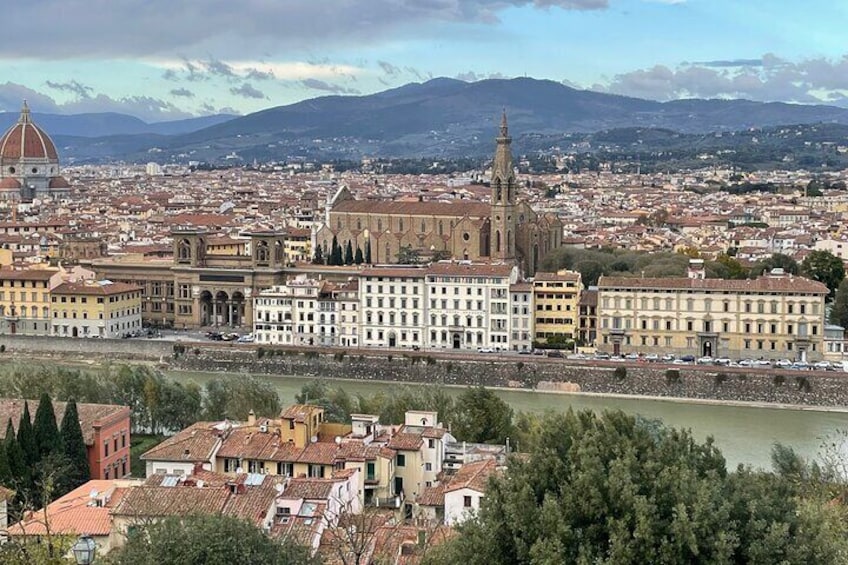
(438, 118)
(103, 124)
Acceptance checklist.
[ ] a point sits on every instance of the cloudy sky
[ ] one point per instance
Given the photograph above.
(168, 59)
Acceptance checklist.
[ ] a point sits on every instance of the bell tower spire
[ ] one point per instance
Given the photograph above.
(503, 186)
(25, 115)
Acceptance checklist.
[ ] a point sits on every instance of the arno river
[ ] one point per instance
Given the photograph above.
(744, 434)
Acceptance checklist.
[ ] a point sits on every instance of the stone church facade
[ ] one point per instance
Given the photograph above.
(506, 229)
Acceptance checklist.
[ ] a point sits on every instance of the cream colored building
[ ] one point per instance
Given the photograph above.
(468, 305)
(773, 317)
(299, 312)
(557, 302)
(393, 306)
(523, 316)
(95, 309)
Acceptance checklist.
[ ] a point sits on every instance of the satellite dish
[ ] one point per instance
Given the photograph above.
(200, 483)
(93, 493)
(279, 488)
(338, 440)
(314, 439)
(239, 470)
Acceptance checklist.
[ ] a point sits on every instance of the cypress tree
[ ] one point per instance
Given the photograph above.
(19, 470)
(74, 449)
(348, 256)
(368, 251)
(357, 258)
(5, 470)
(26, 438)
(319, 256)
(47, 436)
(335, 252)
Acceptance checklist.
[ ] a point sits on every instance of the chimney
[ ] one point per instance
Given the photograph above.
(251, 418)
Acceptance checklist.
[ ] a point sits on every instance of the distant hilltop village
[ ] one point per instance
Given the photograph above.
(296, 259)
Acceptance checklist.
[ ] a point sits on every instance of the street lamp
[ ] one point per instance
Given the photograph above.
(84, 550)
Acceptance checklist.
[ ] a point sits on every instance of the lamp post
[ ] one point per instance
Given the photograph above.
(84, 550)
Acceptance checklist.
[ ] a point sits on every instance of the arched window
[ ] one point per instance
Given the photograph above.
(184, 251)
(441, 228)
(358, 224)
(497, 241)
(498, 192)
(400, 225)
(423, 226)
(380, 225)
(262, 251)
(388, 256)
(509, 240)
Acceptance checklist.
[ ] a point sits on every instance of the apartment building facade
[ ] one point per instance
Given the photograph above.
(95, 309)
(774, 316)
(557, 298)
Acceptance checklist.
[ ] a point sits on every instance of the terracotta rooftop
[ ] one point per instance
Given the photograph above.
(298, 412)
(77, 512)
(786, 283)
(473, 475)
(94, 289)
(469, 269)
(454, 209)
(195, 443)
(404, 441)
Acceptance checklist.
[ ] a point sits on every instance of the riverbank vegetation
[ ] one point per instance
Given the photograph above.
(613, 489)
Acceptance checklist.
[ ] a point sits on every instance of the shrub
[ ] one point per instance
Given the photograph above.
(339, 356)
(430, 360)
(720, 379)
(197, 351)
(620, 373)
(672, 376)
(803, 384)
(260, 353)
(3, 348)
(778, 380)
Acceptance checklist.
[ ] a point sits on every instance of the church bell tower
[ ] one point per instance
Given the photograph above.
(503, 188)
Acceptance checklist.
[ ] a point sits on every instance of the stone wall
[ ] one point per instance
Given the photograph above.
(784, 387)
(732, 384)
(116, 348)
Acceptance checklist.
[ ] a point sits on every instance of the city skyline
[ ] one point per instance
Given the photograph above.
(161, 63)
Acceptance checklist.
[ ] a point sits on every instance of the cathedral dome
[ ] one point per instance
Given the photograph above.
(9, 184)
(25, 140)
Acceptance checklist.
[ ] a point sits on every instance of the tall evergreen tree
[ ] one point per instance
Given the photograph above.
(74, 449)
(348, 256)
(19, 470)
(26, 438)
(47, 436)
(368, 251)
(335, 253)
(5, 470)
(318, 259)
(357, 257)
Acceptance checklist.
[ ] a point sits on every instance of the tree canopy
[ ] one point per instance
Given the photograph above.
(611, 489)
(481, 416)
(73, 448)
(206, 540)
(839, 309)
(825, 267)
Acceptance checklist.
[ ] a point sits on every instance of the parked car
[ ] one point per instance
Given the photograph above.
(652, 357)
(688, 358)
(249, 338)
(538, 352)
(667, 358)
(485, 350)
(524, 352)
(783, 363)
(723, 361)
(632, 356)
(555, 353)
(602, 356)
(822, 366)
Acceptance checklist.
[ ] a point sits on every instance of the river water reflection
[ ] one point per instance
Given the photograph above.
(744, 434)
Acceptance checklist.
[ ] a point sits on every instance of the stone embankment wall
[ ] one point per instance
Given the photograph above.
(529, 372)
(784, 387)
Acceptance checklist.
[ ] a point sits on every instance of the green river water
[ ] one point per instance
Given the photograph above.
(745, 434)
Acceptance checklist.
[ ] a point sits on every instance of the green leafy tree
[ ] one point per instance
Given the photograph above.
(730, 268)
(46, 430)
(776, 261)
(74, 450)
(407, 255)
(358, 258)
(348, 254)
(614, 489)
(226, 398)
(839, 308)
(26, 438)
(480, 416)
(825, 267)
(207, 540)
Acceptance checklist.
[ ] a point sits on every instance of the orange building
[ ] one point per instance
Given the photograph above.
(105, 429)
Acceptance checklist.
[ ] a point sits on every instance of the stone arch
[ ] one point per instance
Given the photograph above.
(261, 253)
(184, 250)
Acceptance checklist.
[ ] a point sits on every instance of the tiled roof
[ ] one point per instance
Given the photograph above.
(250, 443)
(473, 475)
(406, 441)
(553, 277)
(309, 488)
(298, 412)
(95, 289)
(762, 284)
(320, 453)
(75, 513)
(26, 274)
(454, 209)
(195, 443)
(89, 414)
(469, 269)
(172, 501)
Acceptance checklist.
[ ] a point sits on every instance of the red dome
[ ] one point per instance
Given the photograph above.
(26, 140)
(59, 182)
(9, 184)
